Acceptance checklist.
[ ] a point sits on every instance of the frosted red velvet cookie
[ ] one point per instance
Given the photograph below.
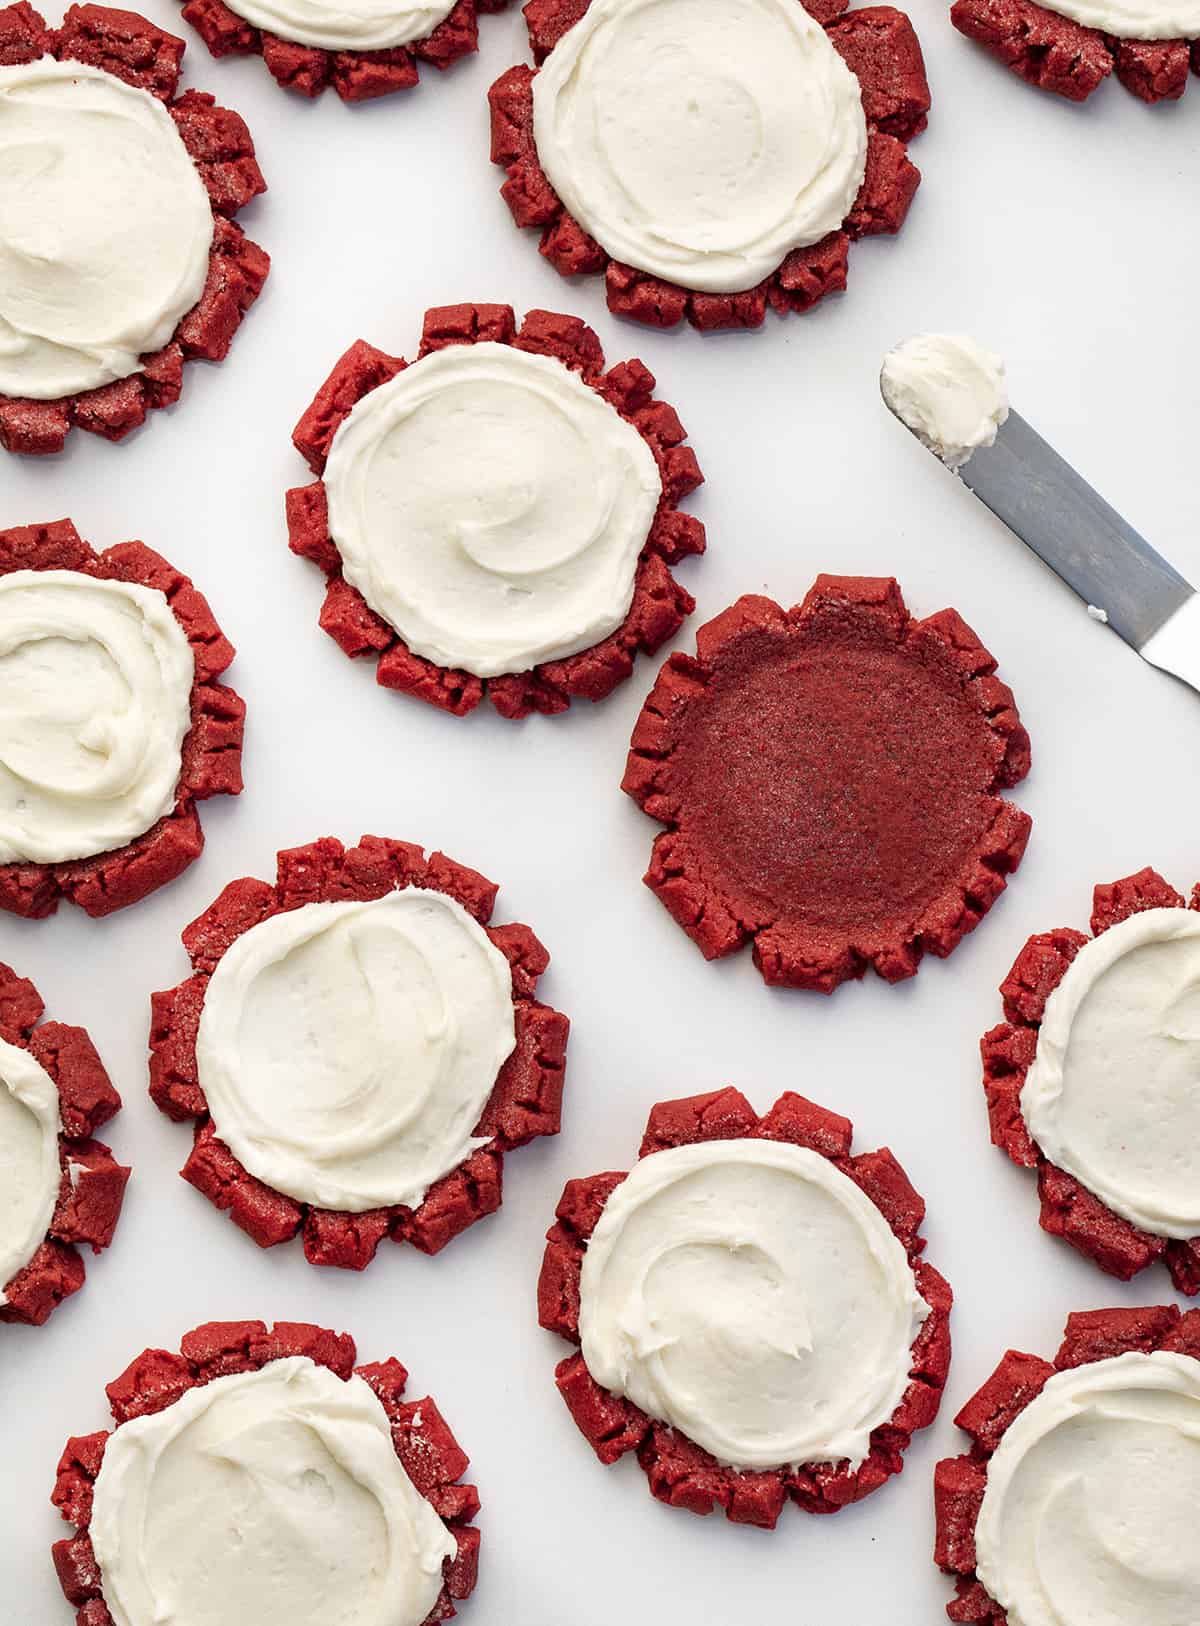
(499, 517)
(114, 724)
(62, 1189)
(710, 157)
(1074, 1503)
(358, 1049)
(325, 1481)
(830, 780)
(124, 259)
(754, 1317)
(1094, 1078)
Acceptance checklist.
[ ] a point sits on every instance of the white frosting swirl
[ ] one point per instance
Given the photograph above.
(346, 25)
(949, 391)
(95, 701)
(105, 228)
(347, 1050)
(1089, 1514)
(1136, 19)
(1113, 1095)
(749, 1294)
(269, 1498)
(701, 140)
(491, 508)
(30, 1172)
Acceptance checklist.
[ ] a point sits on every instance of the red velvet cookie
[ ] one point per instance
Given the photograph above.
(93, 1183)
(881, 49)
(1055, 53)
(829, 777)
(525, 1103)
(679, 1471)
(212, 749)
(659, 605)
(145, 56)
(157, 1378)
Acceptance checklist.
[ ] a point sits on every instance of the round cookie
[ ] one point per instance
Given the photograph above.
(1073, 1504)
(306, 964)
(62, 1189)
(829, 777)
(744, 145)
(1092, 1079)
(115, 725)
(718, 1246)
(325, 1475)
(566, 572)
(151, 274)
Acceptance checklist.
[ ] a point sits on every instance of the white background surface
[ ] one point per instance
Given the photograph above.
(1068, 239)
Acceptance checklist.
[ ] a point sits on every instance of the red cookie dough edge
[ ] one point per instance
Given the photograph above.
(659, 605)
(427, 1450)
(785, 952)
(959, 1482)
(136, 51)
(1055, 53)
(680, 1472)
(525, 1103)
(211, 762)
(356, 76)
(881, 49)
(93, 1182)
(1068, 1209)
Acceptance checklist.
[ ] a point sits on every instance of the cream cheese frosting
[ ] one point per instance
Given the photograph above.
(347, 25)
(30, 1172)
(747, 1293)
(347, 1050)
(1088, 1518)
(701, 140)
(949, 391)
(95, 700)
(1113, 1094)
(105, 228)
(269, 1498)
(1136, 19)
(491, 508)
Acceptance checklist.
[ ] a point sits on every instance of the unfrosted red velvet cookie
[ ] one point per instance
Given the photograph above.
(524, 1103)
(93, 1183)
(829, 777)
(141, 54)
(211, 759)
(659, 604)
(156, 1379)
(680, 1472)
(881, 49)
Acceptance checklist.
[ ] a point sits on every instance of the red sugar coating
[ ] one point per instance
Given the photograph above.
(659, 603)
(881, 49)
(679, 1471)
(1069, 1209)
(212, 748)
(829, 779)
(428, 1451)
(525, 1103)
(1055, 53)
(142, 54)
(959, 1482)
(93, 1182)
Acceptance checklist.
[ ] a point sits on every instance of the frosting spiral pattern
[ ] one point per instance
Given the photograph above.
(345, 25)
(747, 1293)
(701, 140)
(1113, 1095)
(347, 1050)
(491, 508)
(268, 1498)
(30, 1173)
(1089, 1513)
(105, 228)
(95, 700)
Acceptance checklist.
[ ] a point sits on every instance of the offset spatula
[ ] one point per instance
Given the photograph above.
(1116, 573)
